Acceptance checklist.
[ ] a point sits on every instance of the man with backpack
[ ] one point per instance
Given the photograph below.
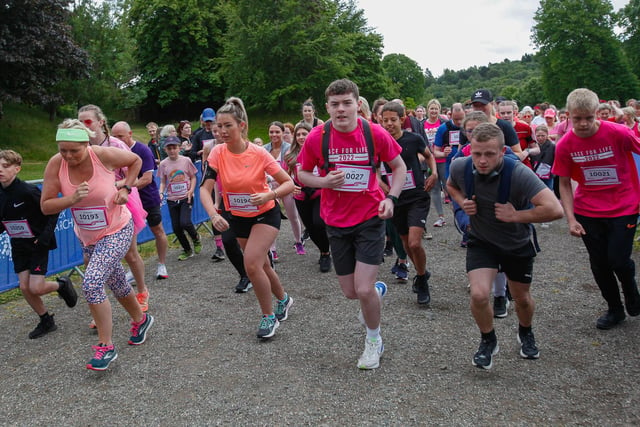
(502, 197)
(346, 152)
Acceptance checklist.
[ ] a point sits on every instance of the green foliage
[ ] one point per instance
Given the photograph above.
(578, 49)
(406, 75)
(512, 79)
(629, 20)
(37, 52)
(178, 42)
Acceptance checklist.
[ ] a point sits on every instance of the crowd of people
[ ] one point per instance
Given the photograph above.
(359, 186)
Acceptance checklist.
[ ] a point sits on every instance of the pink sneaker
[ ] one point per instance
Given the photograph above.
(300, 249)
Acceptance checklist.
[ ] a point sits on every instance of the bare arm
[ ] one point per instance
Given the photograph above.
(546, 207)
(431, 162)
(50, 203)
(398, 173)
(566, 196)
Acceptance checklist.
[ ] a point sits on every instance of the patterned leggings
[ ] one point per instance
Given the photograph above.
(104, 267)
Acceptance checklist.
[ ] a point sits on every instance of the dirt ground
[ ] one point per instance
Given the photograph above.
(202, 364)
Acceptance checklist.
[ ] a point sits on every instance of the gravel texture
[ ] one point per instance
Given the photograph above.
(202, 364)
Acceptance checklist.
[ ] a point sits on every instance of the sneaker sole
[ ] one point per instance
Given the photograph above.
(376, 366)
(161, 277)
(490, 365)
(524, 356)
(244, 290)
(93, 368)
(72, 298)
(273, 332)
(151, 320)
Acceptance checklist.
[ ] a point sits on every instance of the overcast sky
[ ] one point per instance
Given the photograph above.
(481, 31)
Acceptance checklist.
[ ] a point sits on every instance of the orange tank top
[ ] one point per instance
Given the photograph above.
(96, 215)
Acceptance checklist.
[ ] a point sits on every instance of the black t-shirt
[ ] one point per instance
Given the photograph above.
(412, 145)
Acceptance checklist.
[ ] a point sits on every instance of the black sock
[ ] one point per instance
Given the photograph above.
(490, 336)
(524, 330)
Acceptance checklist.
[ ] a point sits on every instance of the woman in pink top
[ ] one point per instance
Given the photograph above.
(84, 175)
(94, 119)
(241, 167)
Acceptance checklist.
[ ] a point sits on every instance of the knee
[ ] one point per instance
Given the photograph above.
(414, 245)
(478, 298)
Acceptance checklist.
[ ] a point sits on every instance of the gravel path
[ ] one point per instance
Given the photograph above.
(202, 364)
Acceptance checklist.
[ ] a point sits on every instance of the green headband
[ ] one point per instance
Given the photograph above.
(73, 135)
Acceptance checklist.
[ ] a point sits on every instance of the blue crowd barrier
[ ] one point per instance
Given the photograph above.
(68, 255)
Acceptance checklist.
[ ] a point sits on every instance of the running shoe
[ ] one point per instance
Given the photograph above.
(427, 236)
(305, 235)
(66, 291)
(46, 325)
(300, 248)
(325, 263)
(402, 272)
(440, 222)
(129, 277)
(197, 246)
(274, 256)
(139, 330)
(185, 255)
(243, 285)
(282, 308)
(104, 355)
(161, 273)
(268, 326)
(218, 255)
(500, 306)
(373, 349)
(143, 300)
(484, 356)
(528, 348)
(610, 319)
(421, 287)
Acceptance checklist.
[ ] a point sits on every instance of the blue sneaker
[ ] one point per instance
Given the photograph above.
(402, 273)
(139, 330)
(268, 326)
(105, 354)
(381, 288)
(282, 308)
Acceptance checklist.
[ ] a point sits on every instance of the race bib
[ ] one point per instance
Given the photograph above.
(600, 175)
(18, 229)
(543, 171)
(241, 202)
(178, 189)
(356, 178)
(454, 137)
(91, 218)
(409, 181)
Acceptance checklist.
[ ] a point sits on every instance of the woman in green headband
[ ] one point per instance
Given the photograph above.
(84, 175)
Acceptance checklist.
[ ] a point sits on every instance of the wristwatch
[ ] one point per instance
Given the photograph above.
(128, 188)
(394, 199)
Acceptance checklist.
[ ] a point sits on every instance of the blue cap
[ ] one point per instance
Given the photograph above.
(208, 115)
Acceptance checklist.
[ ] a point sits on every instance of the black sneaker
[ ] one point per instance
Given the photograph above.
(243, 285)
(218, 255)
(325, 263)
(632, 303)
(45, 326)
(610, 319)
(67, 292)
(500, 306)
(421, 284)
(484, 356)
(528, 348)
(282, 308)
(305, 235)
(388, 248)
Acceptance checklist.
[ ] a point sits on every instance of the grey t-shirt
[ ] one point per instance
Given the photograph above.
(484, 225)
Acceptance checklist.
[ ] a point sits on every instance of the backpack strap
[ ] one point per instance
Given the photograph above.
(368, 136)
(469, 185)
(504, 187)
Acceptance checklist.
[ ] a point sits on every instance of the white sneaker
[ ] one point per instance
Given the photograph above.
(162, 272)
(129, 277)
(426, 235)
(544, 225)
(439, 223)
(373, 349)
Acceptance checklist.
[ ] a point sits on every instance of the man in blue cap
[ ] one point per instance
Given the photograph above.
(206, 135)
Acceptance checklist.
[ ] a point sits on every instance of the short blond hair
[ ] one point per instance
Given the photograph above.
(11, 157)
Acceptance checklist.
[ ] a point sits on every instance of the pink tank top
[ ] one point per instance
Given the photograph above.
(97, 215)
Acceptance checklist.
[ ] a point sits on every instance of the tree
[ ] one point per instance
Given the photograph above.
(578, 49)
(37, 52)
(629, 20)
(178, 44)
(406, 74)
(101, 29)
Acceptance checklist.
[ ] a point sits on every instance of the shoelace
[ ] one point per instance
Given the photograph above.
(100, 351)
(135, 327)
(265, 322)
(281, 306)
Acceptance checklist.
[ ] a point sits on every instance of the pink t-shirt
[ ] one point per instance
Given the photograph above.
(359, 199)
(242, 175)
(96, 215)
(604, 169)
(430, 129)
(176, 176)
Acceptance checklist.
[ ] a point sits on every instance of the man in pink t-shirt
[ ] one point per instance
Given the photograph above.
(352, 203)
(597, 154)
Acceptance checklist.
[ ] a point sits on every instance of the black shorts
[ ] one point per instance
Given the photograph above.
(363, 242)
(154, 216)
(33, 259)
(412, 214)
(242, 225)
(517, 265)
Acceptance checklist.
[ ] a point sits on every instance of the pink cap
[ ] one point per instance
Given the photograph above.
(549, 112)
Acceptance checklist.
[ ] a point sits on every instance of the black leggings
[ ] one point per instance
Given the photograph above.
(232, 247)
(180, 212)
(309, 211)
